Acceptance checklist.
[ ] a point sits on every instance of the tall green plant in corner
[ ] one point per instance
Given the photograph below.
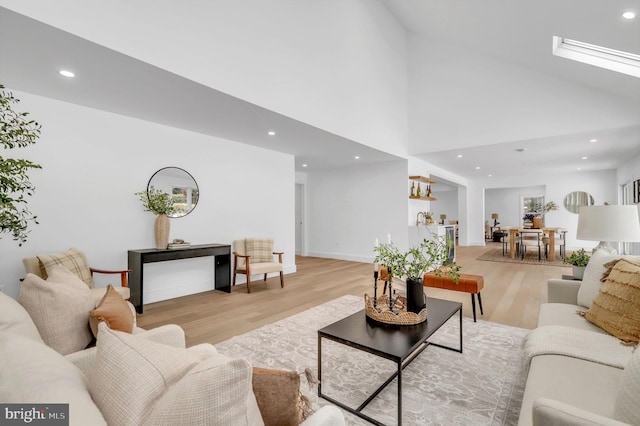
(16, 131)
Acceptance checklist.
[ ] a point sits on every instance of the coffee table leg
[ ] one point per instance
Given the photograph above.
(399, 393)
(319, 365)
(461, 328)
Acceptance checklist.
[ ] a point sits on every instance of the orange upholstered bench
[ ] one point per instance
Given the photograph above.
(468, 283)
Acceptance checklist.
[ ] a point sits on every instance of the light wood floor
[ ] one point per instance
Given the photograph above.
(511, 296)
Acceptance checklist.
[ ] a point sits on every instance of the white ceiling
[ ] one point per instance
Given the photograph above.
(516, 32)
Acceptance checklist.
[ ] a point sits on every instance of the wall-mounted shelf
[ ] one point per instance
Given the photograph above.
(426, 180)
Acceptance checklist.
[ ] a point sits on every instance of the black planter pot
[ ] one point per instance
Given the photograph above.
(415, 296)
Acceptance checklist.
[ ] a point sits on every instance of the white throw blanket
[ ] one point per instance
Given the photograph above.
(583, 344)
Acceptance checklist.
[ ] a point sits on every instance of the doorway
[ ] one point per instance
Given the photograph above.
(299, 218)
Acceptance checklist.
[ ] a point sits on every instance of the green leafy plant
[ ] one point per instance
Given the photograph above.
(578, 258)
(156, 201)
(16, 131)
(429, 255)
(550, 206)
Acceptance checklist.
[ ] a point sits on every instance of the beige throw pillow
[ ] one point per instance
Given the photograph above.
(15, 319)
(73, 260)
(114, 311)
(616, 309)
(59, 307)
(260, 250)
(138, 382)
(596, 269)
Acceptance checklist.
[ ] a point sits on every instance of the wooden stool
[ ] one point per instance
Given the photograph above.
(468, 283)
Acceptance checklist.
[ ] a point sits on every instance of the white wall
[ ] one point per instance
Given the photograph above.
(506, 202)
(339, 65)
(350, 208)
(447, 203)
(93, 163)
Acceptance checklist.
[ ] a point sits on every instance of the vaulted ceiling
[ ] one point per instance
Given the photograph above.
(483, 86)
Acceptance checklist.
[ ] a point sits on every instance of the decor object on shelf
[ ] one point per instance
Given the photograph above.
(17, 131)
(578, 261)
(528, 220)
(574, 200)
(161, 204)
(617, 223)
(428, 256)
(182, 187)
(443, 217)
(418, 194)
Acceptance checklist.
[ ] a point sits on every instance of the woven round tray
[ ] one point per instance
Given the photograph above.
(399, 316)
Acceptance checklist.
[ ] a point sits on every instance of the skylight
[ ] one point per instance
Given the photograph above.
(603, 57)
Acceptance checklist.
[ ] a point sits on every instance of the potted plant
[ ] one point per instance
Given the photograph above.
(161, 204)
(578, 261)
(429, 255)
(16, 131)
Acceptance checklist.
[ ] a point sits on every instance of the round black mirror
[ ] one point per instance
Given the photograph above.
(182, 187)
(576, 199)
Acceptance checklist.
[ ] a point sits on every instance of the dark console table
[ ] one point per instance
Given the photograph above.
(137, 259)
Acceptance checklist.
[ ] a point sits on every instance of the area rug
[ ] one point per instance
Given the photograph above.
(481, 386)
(493, 253)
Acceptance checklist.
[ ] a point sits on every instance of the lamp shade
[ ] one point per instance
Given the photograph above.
(443, 216)
(495, 216)
(609, 223)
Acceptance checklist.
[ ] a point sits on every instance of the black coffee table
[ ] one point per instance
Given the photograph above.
(401, 344)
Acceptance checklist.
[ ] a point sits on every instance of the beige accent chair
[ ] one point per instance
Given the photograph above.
(254, 256)
(75, 261)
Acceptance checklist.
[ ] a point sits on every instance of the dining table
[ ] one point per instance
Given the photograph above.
(549, 232)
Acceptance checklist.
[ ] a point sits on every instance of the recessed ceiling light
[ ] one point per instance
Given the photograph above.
(66, 73)
(304, 165)
(459, 155)
(490, 175)
(578, 168)
(520, 149)
(585, 157)
(477, 167)
(629, 15)
(357, 157)
(271, 133)
(593, 140)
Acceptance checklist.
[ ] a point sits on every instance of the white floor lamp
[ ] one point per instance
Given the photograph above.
(608, 223)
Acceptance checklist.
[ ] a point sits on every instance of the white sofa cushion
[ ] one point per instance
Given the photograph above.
(582, 384)
(591, 283)
(136, 381)
(59, 307)
(567, 315)
(627, 408)
(15, 319)
(31, 372)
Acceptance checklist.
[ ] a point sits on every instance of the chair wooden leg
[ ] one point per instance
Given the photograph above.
(234, 277)
(265, 277)
(281, 279)
(248, 283)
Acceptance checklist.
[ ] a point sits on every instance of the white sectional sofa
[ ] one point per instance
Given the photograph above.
(580, 374)
(31, 372)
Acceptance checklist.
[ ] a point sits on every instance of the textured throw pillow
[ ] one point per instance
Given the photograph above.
(616, 309)
(591, 283)
(59, 307)
(114, 311)
(626, 407)
(139, 382)
(279, 398)
(260, 250)
(72, 259)
(31, 372)
(15, 319)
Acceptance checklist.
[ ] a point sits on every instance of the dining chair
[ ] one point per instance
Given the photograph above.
(560, 242)
(506, 239)
(531, 237)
